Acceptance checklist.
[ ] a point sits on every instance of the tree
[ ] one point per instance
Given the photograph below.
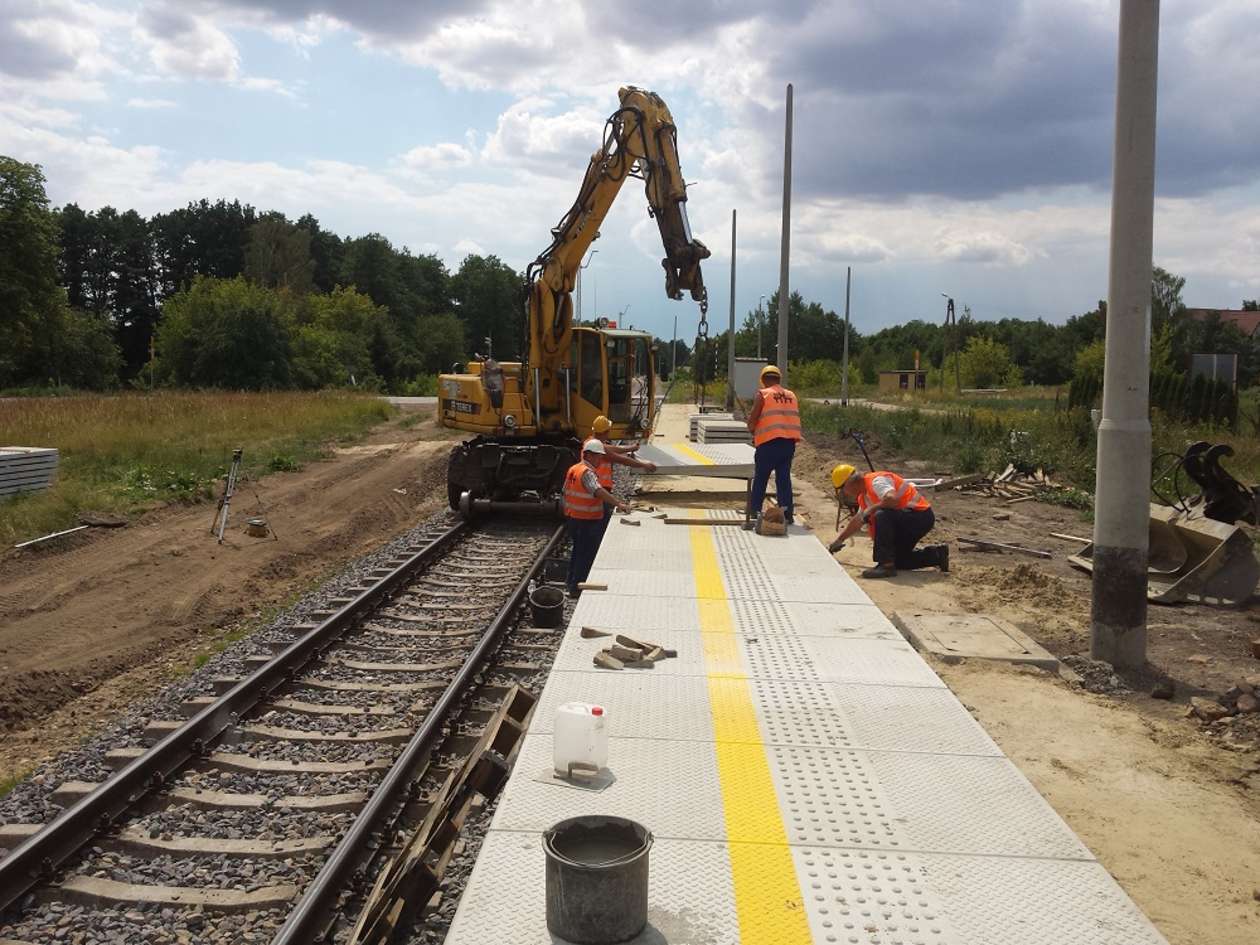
(1166, 301)
(489, 297)
(327, 254)
(226, 333)
(985, 363)
(1251, 305)
(278, 255)
(332, 343)
(202, 239)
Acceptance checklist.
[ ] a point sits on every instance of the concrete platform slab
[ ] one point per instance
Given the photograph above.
(972, 636)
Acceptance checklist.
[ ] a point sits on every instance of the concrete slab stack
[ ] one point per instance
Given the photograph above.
(26, 469)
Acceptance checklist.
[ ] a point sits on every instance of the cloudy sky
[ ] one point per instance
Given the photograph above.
(959, 146)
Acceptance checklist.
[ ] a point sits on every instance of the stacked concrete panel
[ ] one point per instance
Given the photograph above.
(693, 423)
(723, 431)
(26, 469)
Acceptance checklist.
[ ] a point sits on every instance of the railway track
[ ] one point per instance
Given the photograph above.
(260, 816)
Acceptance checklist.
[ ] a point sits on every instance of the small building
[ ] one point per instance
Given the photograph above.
(1245, 321)
(903, 380)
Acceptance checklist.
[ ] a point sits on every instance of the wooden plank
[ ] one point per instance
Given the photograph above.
(1061, 535)
(1001, 546)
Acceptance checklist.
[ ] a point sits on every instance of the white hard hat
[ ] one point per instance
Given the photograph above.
(593, 446)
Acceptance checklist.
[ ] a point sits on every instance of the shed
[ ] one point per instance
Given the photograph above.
(909, 379)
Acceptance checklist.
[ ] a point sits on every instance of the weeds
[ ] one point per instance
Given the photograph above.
(122, 453)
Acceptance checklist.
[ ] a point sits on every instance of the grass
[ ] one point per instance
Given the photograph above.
(1016, 398)
(1062, 442)
(123, 453)
(12, 781)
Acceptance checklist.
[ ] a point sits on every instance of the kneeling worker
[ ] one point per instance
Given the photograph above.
(618, 455)
(584, 500)
(775, 424)
(896, 516)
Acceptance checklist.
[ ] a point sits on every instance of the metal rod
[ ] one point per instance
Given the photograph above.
(844, 359)
(1122, 523)
(320, 898)
(781, 355)
(36, 541)
(730, 338)
(43, 852)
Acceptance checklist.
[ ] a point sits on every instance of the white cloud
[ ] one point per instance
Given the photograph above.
(150, 103)
(467, 247)
(441, 156)
(184, 45)
(981, 246)
(529, 136)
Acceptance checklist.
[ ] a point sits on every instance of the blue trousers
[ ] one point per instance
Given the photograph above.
(773, 457)
(584, 537)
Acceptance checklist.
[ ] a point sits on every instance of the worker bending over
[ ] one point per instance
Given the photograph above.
(584, 501)
(775, 425)
(895, 514)
(612, 455)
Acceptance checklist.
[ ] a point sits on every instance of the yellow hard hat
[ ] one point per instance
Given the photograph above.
(601, 425)
(769, 369)
(840, 474)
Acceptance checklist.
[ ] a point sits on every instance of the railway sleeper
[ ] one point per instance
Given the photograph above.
(119, 758)
(71, 791)
(384, 736)
(98, 891)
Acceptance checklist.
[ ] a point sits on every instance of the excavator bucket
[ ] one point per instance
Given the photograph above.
(1193, 558)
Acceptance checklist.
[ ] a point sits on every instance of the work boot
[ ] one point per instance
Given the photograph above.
(787, 518)
(836, 545)
(880, 571)
(942, 558)
(750, 524)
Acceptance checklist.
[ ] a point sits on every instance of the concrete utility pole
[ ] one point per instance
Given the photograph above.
(730, 339)
(761, 317)
(1122, 487)
(781, 355)
(844, 359)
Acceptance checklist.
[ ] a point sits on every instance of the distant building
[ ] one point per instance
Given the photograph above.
(1246, 322)
(903, 380)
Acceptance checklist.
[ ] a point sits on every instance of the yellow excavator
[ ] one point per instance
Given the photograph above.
(529, 416)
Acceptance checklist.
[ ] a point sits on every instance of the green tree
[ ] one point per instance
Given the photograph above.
(332, 343)
(28, 271)
(489, 299)
(1166, 301)
(985, 363)
(278, 255)
(226, 333)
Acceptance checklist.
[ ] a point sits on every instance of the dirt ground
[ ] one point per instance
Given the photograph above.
(92, 622)
(1170, 806)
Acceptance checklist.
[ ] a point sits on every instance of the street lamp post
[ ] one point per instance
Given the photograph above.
(579, 283)
(760, 315)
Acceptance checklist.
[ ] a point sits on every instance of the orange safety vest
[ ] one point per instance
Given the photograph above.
(602, 464)
(907, 495)
(578, 503)
(780, 417)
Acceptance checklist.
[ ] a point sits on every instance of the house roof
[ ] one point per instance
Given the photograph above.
(1246, 322)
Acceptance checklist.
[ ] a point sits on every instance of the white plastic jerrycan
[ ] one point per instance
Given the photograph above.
(580, 740)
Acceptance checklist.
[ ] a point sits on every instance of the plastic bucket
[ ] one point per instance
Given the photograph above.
(597, 879)
(547, 605)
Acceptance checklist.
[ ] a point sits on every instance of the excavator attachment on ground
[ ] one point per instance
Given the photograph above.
(1198, 552)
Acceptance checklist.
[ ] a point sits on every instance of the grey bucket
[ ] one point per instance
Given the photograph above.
(547, 605)
(597, 879)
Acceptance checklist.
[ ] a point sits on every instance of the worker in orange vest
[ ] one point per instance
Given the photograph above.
(895, 514)
(613, 455)
(775, 424)
(584, 501)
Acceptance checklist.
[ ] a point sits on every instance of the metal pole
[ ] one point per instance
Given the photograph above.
(673, 350)
(844, 358)
(730, 341)
(761, 319)
(781, 355)
(1122, 486)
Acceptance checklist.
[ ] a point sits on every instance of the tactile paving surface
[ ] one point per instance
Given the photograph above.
(689, 895)
(904, 822)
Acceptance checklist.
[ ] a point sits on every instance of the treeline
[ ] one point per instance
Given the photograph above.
(221, 294)
(1003, 353)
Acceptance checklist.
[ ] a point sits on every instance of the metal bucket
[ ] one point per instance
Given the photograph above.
(597, 879)
(546, 603)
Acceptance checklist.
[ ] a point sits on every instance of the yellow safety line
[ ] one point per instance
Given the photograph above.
(686, 450)
(768, 899)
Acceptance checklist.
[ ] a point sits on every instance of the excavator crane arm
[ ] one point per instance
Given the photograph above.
(640, 140)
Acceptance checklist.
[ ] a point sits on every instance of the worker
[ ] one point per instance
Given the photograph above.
(613, 455)
(775, 425)
(584, 501)
(896, 515)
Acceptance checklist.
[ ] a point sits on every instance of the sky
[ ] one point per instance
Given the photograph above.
(940, 146)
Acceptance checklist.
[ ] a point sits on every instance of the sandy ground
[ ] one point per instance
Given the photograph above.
(91, 623)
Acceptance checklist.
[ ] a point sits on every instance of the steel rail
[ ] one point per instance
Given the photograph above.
(310, 919)
(40, 855)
